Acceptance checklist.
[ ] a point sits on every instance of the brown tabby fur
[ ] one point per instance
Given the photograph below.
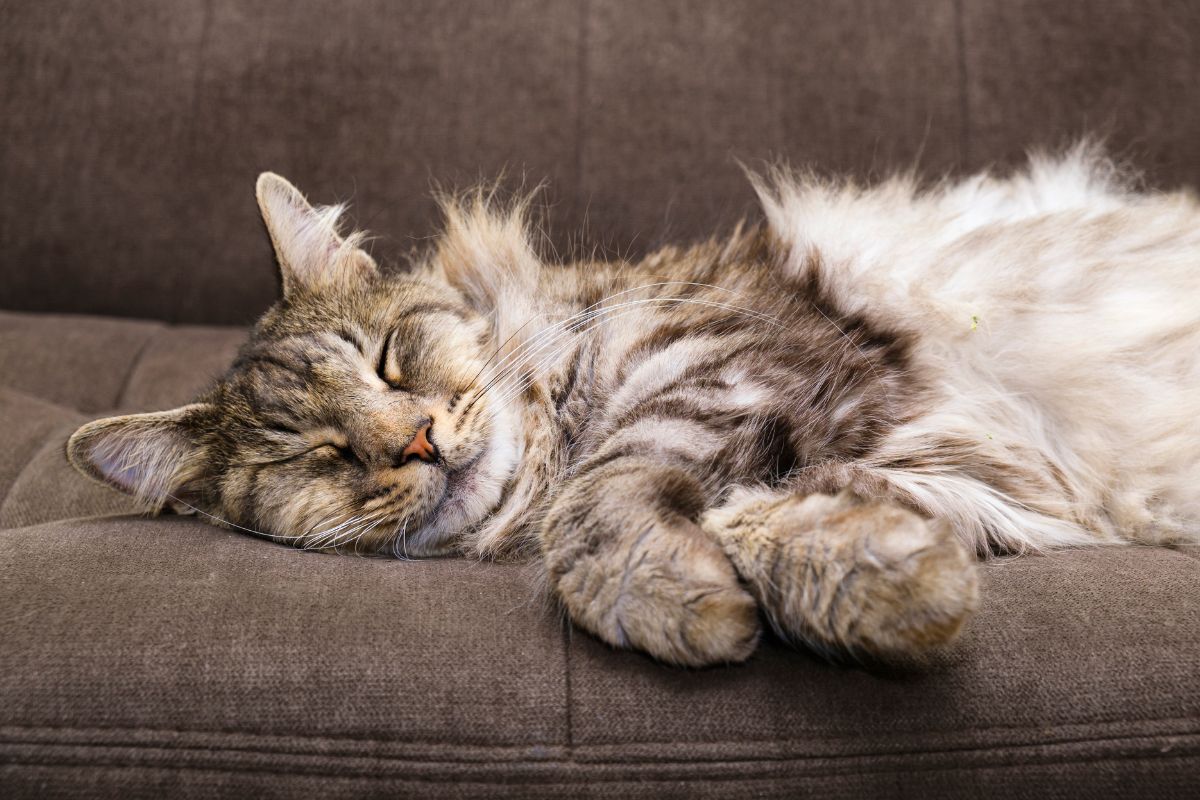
(615, 451)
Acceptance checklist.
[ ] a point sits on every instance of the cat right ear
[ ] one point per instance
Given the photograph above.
(312, 255)
(154, 457)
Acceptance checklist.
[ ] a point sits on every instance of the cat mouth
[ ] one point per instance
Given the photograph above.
(460, 484)
(451, 514)
(463, 478)
(470, 491)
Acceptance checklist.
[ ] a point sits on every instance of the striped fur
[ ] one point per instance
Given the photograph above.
(824, 417)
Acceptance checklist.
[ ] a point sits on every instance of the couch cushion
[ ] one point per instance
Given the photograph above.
(36, 482)
(59, 371)
(167, 657)
(95, 364)
(79, 362)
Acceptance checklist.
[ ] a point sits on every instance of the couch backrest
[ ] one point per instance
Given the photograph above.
(133, 129)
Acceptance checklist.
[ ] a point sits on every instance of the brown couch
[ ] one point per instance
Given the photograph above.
(167, 658)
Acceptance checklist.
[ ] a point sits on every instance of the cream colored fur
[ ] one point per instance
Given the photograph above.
(1057, 315)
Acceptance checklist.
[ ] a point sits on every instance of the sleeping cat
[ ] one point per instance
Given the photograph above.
(826, 417)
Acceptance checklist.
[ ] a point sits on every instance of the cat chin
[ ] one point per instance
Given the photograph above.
(473, 492)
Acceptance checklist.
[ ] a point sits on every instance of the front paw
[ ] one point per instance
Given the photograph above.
(844, 574)
(668, 591)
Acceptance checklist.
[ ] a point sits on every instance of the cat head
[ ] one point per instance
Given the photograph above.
(357, 416)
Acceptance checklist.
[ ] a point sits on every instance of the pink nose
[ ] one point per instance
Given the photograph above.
(421, 447)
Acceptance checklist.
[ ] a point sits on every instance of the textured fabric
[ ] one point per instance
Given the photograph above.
(1041, 72)
(80, 362)
(36, 482)
(29, 425)
(134, 129)
(166, 656)
(57, 372)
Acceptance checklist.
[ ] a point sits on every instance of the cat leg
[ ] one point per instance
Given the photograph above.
(626, 558)
(845, 574)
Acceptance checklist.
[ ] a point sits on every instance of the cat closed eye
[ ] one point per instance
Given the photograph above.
(345, 452)
(381, 369)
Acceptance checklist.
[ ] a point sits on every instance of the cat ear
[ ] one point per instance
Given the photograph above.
(312, 255)
(150, 456)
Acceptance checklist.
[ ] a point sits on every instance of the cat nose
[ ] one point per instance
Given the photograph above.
(421, 446)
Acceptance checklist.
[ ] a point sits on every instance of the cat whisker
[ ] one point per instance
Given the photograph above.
(609, 314)
(284, 538)
(323, 538)
(581, 316)
(336, 542)
(401, 542)
(573, 324)
(220, 520)
(329, 536)
(353, 543)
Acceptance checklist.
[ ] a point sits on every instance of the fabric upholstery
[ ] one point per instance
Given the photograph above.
(57, 372)
(150, 657)
(134, 129)
(168, 658)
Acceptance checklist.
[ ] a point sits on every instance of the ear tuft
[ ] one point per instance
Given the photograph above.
(312, 255)
(485, 249)
(149, 456)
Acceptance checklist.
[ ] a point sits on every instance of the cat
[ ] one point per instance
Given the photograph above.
(827, 417)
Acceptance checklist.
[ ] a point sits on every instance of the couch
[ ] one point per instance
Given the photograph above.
(169, 658)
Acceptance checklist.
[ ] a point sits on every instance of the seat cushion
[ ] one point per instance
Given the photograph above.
(59, 371)
(165, 657)
(168, 658)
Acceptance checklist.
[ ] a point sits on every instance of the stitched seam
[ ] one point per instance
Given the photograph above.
(581, 90)
(964, 109)
(49, 441)
(753, 759)
(831, 736)
(34, 453)
(567, 678)
(134, 364)
(17, 480)
(674, 777)
(167, 746)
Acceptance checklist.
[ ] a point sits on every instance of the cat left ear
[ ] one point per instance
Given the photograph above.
(154, 457)
(312, 255)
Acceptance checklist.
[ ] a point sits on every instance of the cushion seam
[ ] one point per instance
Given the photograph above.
(135, 363)
(296, 772)
(39, 450)
(569, 757)
(569, 698)
(34, 453)
(1194, 731)
(16, 480)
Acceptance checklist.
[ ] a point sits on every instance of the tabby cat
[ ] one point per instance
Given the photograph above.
(825, 418)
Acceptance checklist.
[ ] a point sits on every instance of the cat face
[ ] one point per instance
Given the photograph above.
(352, 419)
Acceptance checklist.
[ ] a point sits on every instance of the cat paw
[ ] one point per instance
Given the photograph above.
(865, 577)
(669, 592)
(914, 585)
